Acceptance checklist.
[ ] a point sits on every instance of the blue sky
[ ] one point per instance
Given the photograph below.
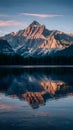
(18, 14)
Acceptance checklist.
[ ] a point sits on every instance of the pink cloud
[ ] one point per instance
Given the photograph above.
(4, 106)
(10, 23)
(41, 15)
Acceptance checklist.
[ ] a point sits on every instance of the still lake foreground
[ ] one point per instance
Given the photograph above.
(34, 99)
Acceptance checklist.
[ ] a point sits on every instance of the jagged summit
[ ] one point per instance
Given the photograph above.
(35, 23)
(34, 30)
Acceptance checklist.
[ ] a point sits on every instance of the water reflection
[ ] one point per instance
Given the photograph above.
(36, 86)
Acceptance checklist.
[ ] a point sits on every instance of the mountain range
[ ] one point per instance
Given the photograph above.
(37, 41)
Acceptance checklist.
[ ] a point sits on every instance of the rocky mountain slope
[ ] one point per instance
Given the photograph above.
(37, 41)
(5, 47)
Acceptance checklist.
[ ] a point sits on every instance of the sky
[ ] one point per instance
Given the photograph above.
(18, 14)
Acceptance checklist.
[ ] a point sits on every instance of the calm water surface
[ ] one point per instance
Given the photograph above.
(34, 99)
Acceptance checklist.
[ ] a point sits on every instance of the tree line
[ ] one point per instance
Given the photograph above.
(19, 60)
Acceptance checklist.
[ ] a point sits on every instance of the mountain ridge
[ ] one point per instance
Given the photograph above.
(37, 41)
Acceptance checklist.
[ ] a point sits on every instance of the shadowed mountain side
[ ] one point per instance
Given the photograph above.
(66, 52)
(5, 48)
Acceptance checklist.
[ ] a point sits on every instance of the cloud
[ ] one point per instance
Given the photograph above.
(41, 15)
(3, 15)
(3, 32)
(10, 23)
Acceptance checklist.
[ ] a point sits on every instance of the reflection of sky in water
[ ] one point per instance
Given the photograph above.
(16, 113)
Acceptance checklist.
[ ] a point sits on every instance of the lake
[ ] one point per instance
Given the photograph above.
(36, 98)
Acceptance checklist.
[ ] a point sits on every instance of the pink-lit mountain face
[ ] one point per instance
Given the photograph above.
(36, 40)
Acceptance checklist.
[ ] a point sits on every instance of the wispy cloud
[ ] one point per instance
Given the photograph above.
(4, 15)
(3, 32)
(10, 23)
(41, 15)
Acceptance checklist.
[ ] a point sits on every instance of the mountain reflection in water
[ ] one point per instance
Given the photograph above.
(36, 87)
(34, 99)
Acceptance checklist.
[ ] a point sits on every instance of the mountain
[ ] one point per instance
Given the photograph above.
(37, 41)
(5, 47)
(65, 52)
